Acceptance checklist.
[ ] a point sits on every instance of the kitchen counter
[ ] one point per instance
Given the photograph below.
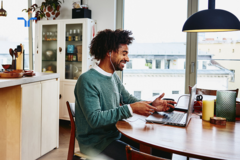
(8, 82)
(29, 116)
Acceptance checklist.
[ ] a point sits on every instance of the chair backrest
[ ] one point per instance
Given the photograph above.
(72, 108)
(71, 112)
(209, 92)
(133, 154)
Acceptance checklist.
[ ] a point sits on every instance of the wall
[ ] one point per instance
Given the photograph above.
(103, 11)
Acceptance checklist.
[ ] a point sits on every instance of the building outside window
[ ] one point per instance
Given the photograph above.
(158, 64)
(137, 94)
(153, 45)
(221, 46)
(129, 64)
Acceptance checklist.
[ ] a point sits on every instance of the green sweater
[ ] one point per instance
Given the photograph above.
(98, 110)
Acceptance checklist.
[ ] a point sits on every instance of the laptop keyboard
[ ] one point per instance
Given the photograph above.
(174, 118)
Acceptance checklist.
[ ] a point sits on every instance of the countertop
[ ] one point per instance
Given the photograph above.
(8, 82)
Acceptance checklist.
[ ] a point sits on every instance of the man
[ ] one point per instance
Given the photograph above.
(99, 93)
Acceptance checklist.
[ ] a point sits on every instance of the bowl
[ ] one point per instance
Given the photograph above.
(6, 66)
(49, 53)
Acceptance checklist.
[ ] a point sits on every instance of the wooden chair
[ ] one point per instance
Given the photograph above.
(71, 148)
(214, 93)
(134, 155)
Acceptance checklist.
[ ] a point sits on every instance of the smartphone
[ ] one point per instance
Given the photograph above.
(174, 109)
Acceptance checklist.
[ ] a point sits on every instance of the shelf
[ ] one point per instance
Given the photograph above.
(73, 61)
(73, 41)
(49, 60)
(49, 41)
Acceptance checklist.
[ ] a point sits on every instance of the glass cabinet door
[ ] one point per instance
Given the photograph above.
(49, 48)
(73, 51)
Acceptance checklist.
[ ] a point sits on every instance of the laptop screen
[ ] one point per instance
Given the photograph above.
(191, 103)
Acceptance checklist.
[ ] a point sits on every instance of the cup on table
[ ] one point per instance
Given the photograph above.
(207, 109)
(226, 105)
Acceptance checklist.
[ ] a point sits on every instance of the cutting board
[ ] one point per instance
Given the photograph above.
(11, 75)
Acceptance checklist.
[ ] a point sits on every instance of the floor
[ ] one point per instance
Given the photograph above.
(64, 136)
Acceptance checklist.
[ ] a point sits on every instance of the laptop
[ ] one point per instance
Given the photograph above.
(175, 118)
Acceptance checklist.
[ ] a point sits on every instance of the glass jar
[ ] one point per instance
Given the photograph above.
(48, 36)
(43, 36)
(70, 35)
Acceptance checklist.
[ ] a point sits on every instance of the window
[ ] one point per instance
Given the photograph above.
(232, 77)
(233, 51)
(175, 92)
(219, 50)
(137, 94)
(154, 49)
(10, 37)
(155, 94)
(129, 64)
(167, 64)
(158, 64)
(204, 65)
(148, 63)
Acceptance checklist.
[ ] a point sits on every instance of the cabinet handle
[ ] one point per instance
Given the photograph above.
(60, 49)
(60, 96)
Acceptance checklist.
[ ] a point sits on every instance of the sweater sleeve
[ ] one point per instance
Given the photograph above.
(88, 97)
(127, 98)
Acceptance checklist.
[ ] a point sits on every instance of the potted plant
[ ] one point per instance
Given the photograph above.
(49, 9)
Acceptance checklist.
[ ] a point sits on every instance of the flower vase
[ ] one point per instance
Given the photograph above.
(50, 13)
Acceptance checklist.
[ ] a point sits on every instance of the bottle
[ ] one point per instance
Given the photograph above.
(74, 35)
(70, 36)
(74, 56)
(69, 57)
(67, 36)
(77, 36)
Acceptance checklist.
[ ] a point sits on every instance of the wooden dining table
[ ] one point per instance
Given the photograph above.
(199, 139)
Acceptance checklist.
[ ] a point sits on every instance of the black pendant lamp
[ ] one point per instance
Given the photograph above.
(212, 20)
(3, 13)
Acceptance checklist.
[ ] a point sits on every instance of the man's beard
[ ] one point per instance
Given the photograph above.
(117, 66)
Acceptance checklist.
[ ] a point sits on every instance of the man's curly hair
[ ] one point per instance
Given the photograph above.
(109, 40)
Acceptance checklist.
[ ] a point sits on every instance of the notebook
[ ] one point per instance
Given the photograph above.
(175, 118)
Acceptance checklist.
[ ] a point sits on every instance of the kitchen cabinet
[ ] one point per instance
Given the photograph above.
(29, 116)
(63, 47)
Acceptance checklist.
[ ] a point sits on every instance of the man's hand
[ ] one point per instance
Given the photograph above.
(143, 108)
(162, 105)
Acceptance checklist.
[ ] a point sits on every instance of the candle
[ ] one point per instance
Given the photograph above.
(207, 109)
